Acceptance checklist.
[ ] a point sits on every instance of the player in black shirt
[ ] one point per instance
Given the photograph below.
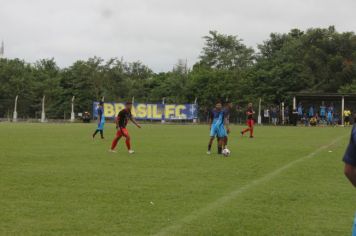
(121, 121)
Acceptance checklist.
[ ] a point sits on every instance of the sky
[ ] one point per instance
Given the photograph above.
(155, 32)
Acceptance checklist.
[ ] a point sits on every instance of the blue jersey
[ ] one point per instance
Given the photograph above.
(322, 110)
(218, 117)
(350, 154)
(101, 118)
(311, 111)
(300, 110)
(217, 125)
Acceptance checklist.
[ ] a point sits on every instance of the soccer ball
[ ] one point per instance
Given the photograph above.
(226, 152)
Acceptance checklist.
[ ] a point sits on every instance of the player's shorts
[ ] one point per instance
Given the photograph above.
(101, 126)
(122, 132)
(218, 130)
(250, 122)
(347, 119)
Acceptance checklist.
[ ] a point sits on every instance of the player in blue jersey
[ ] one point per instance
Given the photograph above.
(228, 107)
(101, 120)
(217, 128)
(350, 164)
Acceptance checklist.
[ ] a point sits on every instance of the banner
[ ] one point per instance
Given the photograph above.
(146, 111)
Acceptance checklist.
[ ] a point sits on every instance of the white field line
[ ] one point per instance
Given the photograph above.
(171, 229)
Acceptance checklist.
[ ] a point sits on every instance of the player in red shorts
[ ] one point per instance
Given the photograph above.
(121, 121)
(250, 121)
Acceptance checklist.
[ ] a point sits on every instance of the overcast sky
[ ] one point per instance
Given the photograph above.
(156, 32)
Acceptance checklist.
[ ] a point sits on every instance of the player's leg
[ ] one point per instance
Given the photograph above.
(95, 132)
(221, 141)
(222, 134)
(247, 129)
(116, 140)
(211, 140)
(251, 124)
(225, 141)
(126, 134)
(101, 129)
(213, 133)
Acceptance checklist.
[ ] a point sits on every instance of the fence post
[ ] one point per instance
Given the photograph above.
(43, 114)
(72, 114)
(14, 118)
(163, 115)
(259, 120)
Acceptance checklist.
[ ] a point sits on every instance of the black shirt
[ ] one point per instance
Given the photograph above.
(249, 113)
(123, 118)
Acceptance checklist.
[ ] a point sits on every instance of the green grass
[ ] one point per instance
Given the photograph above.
(54, 180)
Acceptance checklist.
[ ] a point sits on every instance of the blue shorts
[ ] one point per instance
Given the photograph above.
(101, 126)
(218, 130)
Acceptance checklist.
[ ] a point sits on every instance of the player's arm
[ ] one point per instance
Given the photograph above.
(350, 173)
(135, 122)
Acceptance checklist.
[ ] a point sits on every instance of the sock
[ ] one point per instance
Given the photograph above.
(102, 134)
(225, 142)
(96, 131)
(251, 132)
(219, 150)
(114, 143)
(209, 147)
(128, 143)
(245, 130)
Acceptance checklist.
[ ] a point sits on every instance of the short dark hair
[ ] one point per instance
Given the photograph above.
(128, 103)
(101, 103)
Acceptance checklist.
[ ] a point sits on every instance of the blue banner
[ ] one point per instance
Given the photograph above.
(147, 111)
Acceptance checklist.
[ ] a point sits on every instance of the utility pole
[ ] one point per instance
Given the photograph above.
(2, 49)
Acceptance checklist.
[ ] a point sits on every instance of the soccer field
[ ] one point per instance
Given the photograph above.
(55, 180)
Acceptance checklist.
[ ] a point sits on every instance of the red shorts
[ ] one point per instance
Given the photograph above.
(250, 123)
(122, 132)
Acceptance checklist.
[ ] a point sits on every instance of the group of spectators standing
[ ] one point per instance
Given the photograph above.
(322, 115)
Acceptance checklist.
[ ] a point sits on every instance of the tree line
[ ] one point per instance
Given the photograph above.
(316, 60)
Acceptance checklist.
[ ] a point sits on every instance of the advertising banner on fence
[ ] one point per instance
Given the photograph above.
(146, 111)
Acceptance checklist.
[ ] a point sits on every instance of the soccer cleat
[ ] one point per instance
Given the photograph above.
(111, 150)
(242, 133)
(251, 137)
(131, 151)
(208, 152)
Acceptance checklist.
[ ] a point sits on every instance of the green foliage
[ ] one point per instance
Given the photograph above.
(315, 60)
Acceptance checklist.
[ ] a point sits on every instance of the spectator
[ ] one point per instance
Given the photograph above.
(305, 119)
(313, 121)
(322, 112)
(330, 115)
(274, 115)
(286, 115)
(311, 111)
(300, 111)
